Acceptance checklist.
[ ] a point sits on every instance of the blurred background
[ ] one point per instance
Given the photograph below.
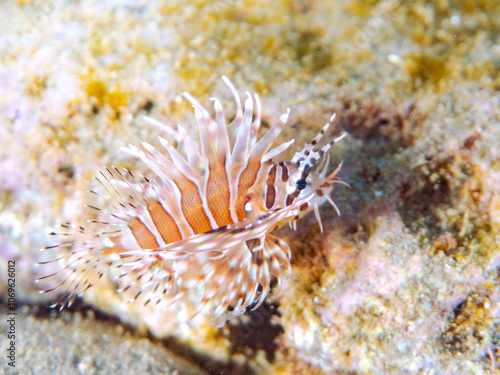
(405, 281)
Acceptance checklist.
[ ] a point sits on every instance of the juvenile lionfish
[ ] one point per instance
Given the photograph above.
(203, 226)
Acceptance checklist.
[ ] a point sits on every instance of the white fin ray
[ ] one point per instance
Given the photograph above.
(242, 143)
(183, 140)
(162, 166)
(154, 164)
(193, 154)
(332, 175)
(330, 200)
(180, 162)
(325, 168)
(278, 150)
(223, 147)
(194, 102)
(265, 143)
(257, 122)
(207, 147)
(239, 110)
(318, 217)
(167, 129)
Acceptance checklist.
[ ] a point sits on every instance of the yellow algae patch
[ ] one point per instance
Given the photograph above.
(99, 91)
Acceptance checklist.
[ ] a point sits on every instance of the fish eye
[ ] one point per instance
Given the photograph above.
(248, 207)
(301, 184)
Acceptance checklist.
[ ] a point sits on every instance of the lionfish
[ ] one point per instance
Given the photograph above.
(203, 226)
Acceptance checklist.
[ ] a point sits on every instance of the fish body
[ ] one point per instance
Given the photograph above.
(202, 227)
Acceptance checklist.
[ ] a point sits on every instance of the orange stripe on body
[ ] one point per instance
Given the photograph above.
(271, 193)
(143, 236)
(164, 222)
(218, 196)
(117, 248)
(192, 207)
(252, 174)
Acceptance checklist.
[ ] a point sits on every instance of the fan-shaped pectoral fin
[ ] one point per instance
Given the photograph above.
(229, 267)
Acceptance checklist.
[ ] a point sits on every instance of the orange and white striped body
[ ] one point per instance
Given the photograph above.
(202, 226)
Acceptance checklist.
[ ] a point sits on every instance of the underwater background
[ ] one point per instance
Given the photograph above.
(406, 280)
